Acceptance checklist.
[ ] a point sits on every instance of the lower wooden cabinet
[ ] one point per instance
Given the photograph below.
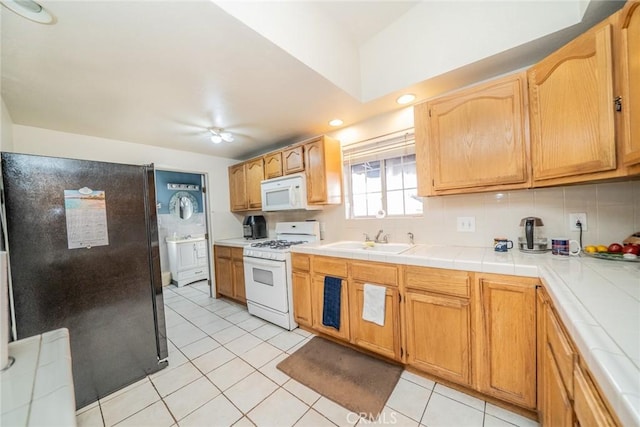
(558, 411)
(589, 407)
(438, 330)
(568, 395)
(506, 338)
(317, 306)
(301, 282)
(495, 334)
(230, 272)
(382, 339)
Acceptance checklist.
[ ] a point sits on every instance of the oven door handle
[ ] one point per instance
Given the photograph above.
(259, 262)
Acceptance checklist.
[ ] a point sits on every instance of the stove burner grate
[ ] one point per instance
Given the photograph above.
(276, 244)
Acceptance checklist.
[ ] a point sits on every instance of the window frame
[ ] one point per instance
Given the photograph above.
(382, 155)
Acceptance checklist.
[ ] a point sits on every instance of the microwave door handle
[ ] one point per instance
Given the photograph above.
(292, 196)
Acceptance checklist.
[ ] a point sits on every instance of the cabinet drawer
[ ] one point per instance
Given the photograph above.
(589, 408)
(330, 266)
(448, 282)
(374, 273)
(561, 348)
(194, 273)
(236, 253)
(300, 262)
(222, 251)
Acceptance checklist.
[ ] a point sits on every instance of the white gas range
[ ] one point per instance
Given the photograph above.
(267, 272)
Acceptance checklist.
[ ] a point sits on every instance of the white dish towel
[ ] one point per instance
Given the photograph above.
(373, 307)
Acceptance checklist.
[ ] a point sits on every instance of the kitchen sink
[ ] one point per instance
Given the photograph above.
(391, 248)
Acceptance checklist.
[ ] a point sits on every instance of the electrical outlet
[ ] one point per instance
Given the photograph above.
(573, 219)
(466, 224)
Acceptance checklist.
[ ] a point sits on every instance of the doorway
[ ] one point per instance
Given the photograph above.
(183, 227)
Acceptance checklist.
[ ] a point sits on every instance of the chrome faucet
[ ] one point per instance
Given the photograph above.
(410, 234)
(366, 237)
(385, 238)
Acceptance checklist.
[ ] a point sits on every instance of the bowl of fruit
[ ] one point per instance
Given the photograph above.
(628, 250)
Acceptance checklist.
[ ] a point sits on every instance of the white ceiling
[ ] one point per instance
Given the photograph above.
(161, 73)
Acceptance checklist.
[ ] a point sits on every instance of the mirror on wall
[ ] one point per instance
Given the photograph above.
(183, 205)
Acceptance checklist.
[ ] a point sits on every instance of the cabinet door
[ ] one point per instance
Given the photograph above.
(301, 282)
(571, 109)
(630, 81)
(273, 165)
(238, 187)
(224, 271)
(558, 411)
(292, 160)
(255, 175)
(385, 339)
(239, 292)
(589, 408)
(317, 301)
(477, 138)
(187, 256)
(439, 335)
(507, 339)
(316, 178)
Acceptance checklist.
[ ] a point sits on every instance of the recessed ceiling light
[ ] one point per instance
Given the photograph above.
(29, 9)
(406, 98)
(336, 122)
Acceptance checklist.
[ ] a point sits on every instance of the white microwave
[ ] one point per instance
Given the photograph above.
(285, 193)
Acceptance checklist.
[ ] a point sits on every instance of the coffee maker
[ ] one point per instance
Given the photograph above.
(254, 227)
(532, 240)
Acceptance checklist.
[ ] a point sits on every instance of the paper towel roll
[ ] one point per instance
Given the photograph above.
(4, 312)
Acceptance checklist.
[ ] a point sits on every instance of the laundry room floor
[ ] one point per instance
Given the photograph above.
(222, 372)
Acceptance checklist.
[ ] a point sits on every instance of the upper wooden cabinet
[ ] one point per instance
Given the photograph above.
(319, 158)
(238, 187)
(244, 185)
(572, 110)
(255, 175)
(474, 140)
(273, 165)
(293, 160)
(323, 167)
(628, 83)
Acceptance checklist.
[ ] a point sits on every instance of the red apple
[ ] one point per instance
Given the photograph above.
(615, 248)
(631, 249)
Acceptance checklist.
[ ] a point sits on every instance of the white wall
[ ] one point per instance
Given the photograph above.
(31, 140)
(6, 130)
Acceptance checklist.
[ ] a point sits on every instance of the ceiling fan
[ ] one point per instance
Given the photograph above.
(218, 135)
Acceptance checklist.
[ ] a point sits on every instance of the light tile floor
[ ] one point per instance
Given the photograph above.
(222, 372)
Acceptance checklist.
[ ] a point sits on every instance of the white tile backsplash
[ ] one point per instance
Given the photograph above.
(613, 213)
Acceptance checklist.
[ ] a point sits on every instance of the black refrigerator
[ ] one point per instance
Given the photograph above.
(83, 248)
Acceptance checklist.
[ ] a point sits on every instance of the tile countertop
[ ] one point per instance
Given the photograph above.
(238, 242)
(598, 301)
(37, 390)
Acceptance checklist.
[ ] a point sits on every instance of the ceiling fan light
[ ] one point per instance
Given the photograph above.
(227, 136)
(216, 139)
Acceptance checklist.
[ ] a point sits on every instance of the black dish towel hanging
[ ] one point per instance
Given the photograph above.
(331, 303)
